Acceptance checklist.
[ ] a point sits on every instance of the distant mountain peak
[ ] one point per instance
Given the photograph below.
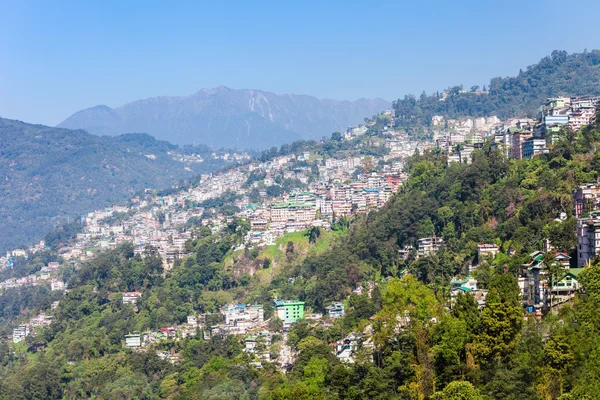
(217, 89)
(226, 117)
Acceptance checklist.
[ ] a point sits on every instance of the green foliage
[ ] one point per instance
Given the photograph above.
(558, 74)
(55, 175)
(458, 390)
(414, 347)
(313, 234)
(409, 296)
(223, 204)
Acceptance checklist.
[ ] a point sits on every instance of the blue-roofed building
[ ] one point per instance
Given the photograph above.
(336, 310)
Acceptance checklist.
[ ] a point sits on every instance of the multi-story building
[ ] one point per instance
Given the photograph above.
(133, 340)
(516, 149)
(289, 311)
(583, 111)
(296, 212)
(336, 310)
(20, 333)
(57, 285)
(234, 314)
(575, 112)
(429, 245)
(502, 141)
(131, 297)
(487, 250)
(534, 146)
(586, 198)
(588, 239)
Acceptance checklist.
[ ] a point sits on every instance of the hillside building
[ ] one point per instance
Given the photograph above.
(289, 311)
(429, 245)
(133, 340)
(336, 310)
(588, 239)
(586, 198)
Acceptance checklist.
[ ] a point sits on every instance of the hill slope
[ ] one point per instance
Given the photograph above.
(555, 75)
(48, 174)
(224, 117)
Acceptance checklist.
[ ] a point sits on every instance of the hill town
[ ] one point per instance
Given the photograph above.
(314, 189)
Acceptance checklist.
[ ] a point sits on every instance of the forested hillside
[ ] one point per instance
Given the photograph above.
(51, 174)
(420, 350)
(518, 96)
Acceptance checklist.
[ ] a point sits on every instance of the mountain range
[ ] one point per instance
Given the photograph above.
(225, 117)
(48, 175)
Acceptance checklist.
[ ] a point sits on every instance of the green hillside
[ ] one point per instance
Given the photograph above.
(50, 174)
(487, 353)
(520, 95)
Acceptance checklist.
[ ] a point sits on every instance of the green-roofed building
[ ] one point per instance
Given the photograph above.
(289, 311)
(569, 284)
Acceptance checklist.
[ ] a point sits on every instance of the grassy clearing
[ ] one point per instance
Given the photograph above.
(302, 248)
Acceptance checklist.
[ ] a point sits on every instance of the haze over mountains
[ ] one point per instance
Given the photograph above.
(225, 117)
(50, 173)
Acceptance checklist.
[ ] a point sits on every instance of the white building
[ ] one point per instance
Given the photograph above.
(57, 285)
(131, 297)
(487, 250)
(20, 333)
(429, 245)
(241, 314)
(588, 239)
(133, 340)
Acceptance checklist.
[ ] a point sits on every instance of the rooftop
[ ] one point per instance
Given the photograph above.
(288, 302)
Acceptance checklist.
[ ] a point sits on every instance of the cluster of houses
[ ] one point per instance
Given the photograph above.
(244, 320)
(331, 188)
(540, 288)
(24, 330)
(526, 138)
(518, 138)
(48, 274)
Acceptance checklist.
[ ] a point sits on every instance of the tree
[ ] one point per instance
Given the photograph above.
(466, 309)
(289, 250)
(40, 380)
(336, 136)
(315, 372)
(313, 234)
(450, 338)
(367, 164)
(458, 390)
(501, 320)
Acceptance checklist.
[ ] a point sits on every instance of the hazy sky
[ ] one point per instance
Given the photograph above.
(58, 57)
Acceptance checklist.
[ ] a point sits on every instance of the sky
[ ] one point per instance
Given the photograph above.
(58, 57)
